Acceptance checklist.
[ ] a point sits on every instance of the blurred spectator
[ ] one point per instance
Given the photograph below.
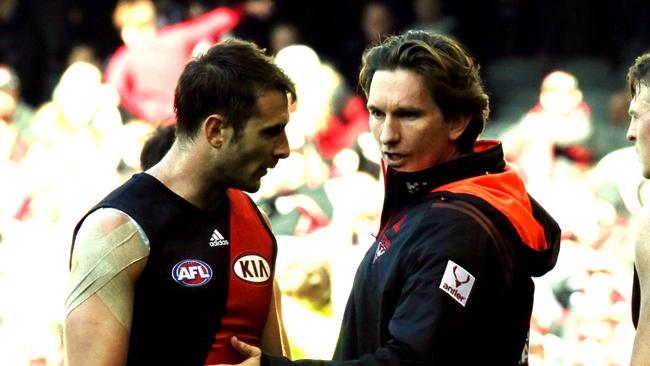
(610, 135)
(145, 69)
(617, 179)
(308, 196)
(328, 113)
(314, 83)
(283, 35)
(170, 12)
(322, 236)
(71, 160)
(619, 103)
(305, 280)
(90, 23)
(132, 136)
(580, 311)
(74, 145)
(293, 195)
(376, 22)
(558, 125)
(430, 16)
(84, 53)
(15, 139)
(598, 310)
(15, 118)
(157, 145)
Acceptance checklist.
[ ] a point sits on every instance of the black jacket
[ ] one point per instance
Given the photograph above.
(443, 284)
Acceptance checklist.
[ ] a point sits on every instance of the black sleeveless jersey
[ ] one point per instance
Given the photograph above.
(208, 275)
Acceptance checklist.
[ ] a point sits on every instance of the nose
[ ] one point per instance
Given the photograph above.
(631, 131)
(282, 150)
(389, 134)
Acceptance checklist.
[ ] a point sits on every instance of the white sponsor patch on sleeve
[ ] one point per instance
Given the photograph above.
(457, 282)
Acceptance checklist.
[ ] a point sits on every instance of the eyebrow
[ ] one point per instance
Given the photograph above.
(399, 110)
(407, 110)
(276, 125)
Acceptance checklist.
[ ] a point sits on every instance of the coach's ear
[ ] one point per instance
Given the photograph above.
(456, 126)
(216, 130)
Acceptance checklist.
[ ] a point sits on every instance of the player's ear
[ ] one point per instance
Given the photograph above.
(216, 130)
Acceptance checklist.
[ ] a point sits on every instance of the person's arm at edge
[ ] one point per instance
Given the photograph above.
(210, 25)
(274, 338)
(641, 348)
(214, 23)
(93, 334)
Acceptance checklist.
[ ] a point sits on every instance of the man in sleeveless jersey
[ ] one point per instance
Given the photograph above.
(448, 279)
(171, 264)
(638, 78)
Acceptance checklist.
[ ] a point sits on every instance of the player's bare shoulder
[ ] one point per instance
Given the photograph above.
(109, 254)
(105, 231)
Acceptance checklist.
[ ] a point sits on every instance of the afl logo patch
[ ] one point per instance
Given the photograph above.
(192, 272)
(252, 268)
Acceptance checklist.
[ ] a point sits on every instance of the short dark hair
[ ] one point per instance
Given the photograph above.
(450, 73)
(157, 145)
(227, 79)
(639, 74)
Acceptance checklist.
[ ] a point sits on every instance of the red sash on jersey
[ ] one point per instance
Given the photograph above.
(251, 280)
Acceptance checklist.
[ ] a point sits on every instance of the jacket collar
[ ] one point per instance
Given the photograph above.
(487, 157)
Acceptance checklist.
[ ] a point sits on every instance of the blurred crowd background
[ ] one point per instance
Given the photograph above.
(83, 85)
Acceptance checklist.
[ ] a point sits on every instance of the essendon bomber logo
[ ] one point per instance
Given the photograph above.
(192, 272)
(382, 247)
(384, 243)
(457, 282)
(252, 268)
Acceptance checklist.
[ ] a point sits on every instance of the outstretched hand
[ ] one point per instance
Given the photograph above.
(253, 354)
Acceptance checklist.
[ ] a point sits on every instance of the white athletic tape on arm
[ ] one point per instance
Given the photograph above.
(99, 263)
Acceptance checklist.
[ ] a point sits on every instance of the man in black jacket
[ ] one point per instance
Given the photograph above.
(448, 280)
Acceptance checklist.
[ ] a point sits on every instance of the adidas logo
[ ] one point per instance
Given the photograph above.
(217, 239)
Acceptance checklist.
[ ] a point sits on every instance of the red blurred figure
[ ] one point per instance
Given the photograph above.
(145, 69)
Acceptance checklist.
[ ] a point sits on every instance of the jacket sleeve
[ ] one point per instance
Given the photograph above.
(450, 271)
(428, 323)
